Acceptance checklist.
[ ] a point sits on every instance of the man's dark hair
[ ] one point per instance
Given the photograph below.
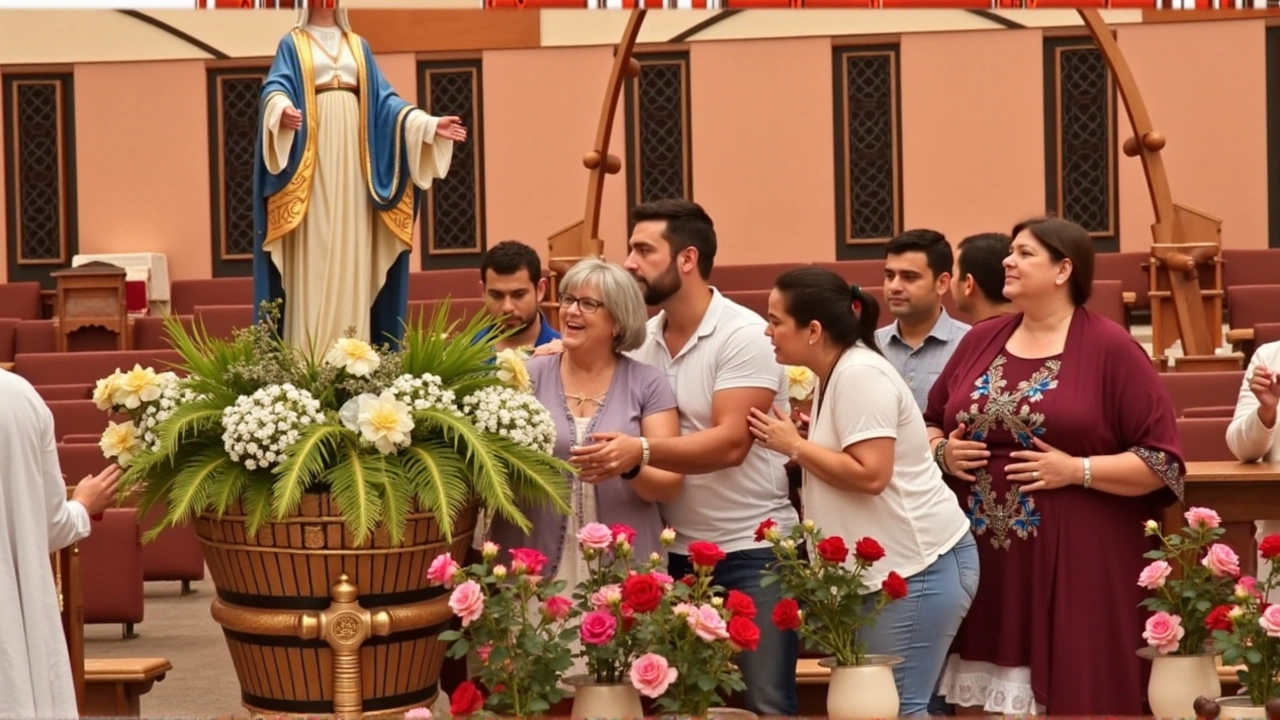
(982, 257)
(934, 245)
(688, 226)
(508, 258)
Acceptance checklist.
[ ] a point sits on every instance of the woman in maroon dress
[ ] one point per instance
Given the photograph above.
(1054, 431)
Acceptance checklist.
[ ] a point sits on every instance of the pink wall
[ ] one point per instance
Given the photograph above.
(142, 151)
(763, 164)
(4, 223)
(972, 131)
(1205, 88)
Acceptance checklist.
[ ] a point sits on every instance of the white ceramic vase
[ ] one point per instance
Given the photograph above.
(1177, 680)
(1239, 707)
(862, 691)
(593, 701)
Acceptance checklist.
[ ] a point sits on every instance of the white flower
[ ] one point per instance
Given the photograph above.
(258, 429)
(511, 369)
(513, 414)
(424, 392)
(136, 387)
(120, 441)
(104, 393)
(800, 382)
(385, 422)
(175, 394)
(357, 357)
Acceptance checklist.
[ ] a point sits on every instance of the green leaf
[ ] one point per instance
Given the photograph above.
(353, 484)
(1253, 656)
(316, 450)
(435, 475)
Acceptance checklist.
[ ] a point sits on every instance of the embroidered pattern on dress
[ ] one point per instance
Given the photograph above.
(1164, 465)
(1016, 512)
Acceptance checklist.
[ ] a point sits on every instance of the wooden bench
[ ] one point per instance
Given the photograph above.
(113, 687)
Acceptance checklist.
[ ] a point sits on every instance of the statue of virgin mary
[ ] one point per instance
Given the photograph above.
(341, 162)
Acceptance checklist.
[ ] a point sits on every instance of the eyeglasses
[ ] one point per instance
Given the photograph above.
(586, 305)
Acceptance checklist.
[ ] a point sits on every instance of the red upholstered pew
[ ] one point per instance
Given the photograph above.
(1202, 389)
(21, 301)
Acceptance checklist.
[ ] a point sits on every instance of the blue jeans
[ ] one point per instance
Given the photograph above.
(920, 627)
(770, 671)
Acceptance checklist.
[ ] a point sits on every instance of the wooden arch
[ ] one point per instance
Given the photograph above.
(1186, 246)
(581, 239)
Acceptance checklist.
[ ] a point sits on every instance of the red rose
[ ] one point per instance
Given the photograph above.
(894, 586)
(786, 614)
(868, 550)
(625, 531)
(705, 554)
(530, 561)
(1269, 548)
(465, 700)
(642, 593)
(765, 526)
(833, 549)
(744, 634)
(689, 580)
(1219, 618)
(740, 604)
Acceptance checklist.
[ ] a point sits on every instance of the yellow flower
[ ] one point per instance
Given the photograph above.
(136, 387)
(800, 382)
(355, 356)
(511, 370)
(104, 393)
(385, 422)
(120, 441)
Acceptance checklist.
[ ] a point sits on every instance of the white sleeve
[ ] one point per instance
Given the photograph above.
(865, 403)
(68, 520)
(1247, 437)
(747, 361)
(277, 142)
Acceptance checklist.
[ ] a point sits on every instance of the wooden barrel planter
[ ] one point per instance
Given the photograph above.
(274, 585)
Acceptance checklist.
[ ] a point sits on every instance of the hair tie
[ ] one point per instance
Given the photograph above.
(855, 295)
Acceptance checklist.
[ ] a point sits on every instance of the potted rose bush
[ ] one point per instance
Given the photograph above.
(827, 602)
(1190, 574)
(1247, 633)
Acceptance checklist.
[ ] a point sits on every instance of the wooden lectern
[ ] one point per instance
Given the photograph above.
(92, 295)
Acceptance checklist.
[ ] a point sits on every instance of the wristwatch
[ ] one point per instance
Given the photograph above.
(939, 457)
(644, 460)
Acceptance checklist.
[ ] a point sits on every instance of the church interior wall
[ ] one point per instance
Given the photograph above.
(763, 149)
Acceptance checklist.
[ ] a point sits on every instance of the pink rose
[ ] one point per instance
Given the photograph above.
(623, 533)
(1222, 560)
(1163, 632)
(467, 602)
(1154, 575)
(707, 623)
(651, 674)
(1270, 620)
(418, 713)
(595, 536)
(483, 652)
(557, 607)
(1204, 518)
(529, 561)
(606, 596)
(598, 627)
(442, 570)
(666, 580)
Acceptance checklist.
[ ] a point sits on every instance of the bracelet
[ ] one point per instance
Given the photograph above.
(795, 453)
(1088, 473)
(939, 458)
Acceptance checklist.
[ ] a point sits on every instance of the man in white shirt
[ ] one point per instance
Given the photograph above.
(36, 520)
(1252, 432)
(721, 364)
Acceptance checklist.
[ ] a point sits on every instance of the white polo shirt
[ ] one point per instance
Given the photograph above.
(729, 350)
(917, 518)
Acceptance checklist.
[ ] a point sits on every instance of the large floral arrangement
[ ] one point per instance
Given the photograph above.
(1181, 604)
(515, 623)
(692, 630)
(261, 423)
(830, 589)
(1247, 631)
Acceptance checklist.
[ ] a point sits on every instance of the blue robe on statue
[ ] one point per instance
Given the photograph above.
(280, 200)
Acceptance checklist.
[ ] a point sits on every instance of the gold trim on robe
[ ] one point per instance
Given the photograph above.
(286, 208)
(398, 219)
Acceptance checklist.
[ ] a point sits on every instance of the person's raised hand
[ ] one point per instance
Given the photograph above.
(97, 492)
(1264, 387)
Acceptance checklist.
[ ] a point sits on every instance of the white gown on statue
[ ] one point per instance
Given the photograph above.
(333, 265)
(36, 520)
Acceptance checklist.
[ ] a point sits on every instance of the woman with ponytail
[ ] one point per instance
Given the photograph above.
(868, 472)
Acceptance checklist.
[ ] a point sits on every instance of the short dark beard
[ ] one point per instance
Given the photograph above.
(662, 287)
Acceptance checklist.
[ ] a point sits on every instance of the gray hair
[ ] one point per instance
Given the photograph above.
(619, 292)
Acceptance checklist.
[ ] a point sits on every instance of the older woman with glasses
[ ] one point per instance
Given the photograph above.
(591, 387)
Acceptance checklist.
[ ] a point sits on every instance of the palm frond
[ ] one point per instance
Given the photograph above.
(396, 498)
(256, 500)
(440, 347)
(187, 421)
(488, 475)
(355, 482)
(435, 475)
(313, 453)
(536, 478)
(189, 490)
(206, 359)
(228, 489)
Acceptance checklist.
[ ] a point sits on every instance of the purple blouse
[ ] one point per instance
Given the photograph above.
(636, 391)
